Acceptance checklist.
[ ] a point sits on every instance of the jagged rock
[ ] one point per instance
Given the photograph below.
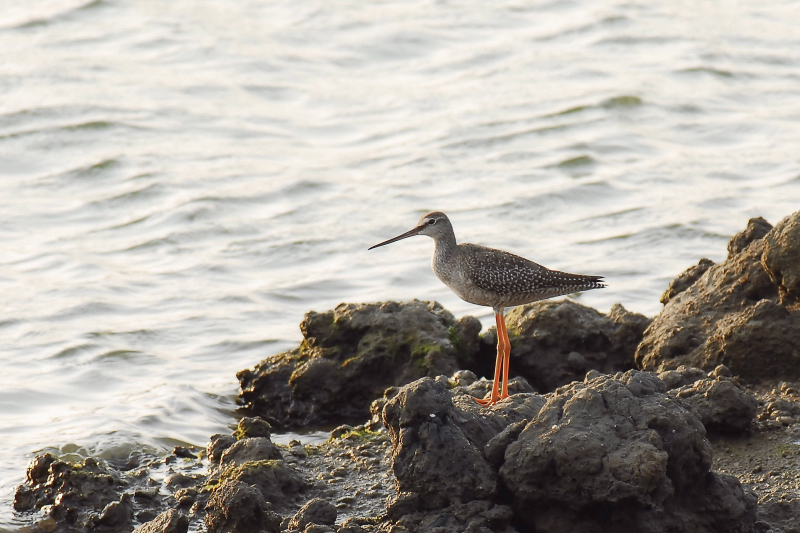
(171, 521)
(250, 449)
(618, 454)
(217, 445)
(781, 258)
(236, 507)
(316, 511)
(349, 356)
(683, 375)
(77, 497)
(434, 435)
(278, 482)
(756, 229)
(733, 314)
(721, 403)
(252, 427)
(687, 279)
(556, 342)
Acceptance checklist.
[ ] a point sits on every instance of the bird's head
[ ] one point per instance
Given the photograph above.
(434, 224)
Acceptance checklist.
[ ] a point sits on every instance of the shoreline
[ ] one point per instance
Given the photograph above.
(370, 363)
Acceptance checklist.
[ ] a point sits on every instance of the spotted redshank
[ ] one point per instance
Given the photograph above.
(494, 278)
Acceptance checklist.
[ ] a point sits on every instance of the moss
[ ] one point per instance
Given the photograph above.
(312, 450)
(237, 471)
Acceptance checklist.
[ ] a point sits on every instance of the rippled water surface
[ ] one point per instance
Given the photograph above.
(181, 181)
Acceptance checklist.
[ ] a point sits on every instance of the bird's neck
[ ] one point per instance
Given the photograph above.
(445, 249)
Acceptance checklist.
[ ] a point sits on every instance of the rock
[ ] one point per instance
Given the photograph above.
(683, 375)
(252, 427)
(277, 482)
(756, 229)
(477, 516)
(349, 356)
(435, 435)
(781, 258)
(117, 514)
(687, 279)
(171, 521)
(79, 496)
(236, 507)
(732, 315)
(618, 454)
(250, 449)
(217, 446)
(183, 452)
(316, 511)
(722, 404)
(556, 342)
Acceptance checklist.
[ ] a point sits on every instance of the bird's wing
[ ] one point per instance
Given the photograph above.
(505, 273)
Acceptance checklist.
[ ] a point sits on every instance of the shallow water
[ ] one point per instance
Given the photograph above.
(180, 182)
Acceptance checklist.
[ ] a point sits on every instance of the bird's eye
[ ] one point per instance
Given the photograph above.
(431, 222)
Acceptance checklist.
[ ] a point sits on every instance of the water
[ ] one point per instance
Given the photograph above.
(181, 181)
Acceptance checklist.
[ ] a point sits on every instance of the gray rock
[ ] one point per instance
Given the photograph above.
(683, 375)
(349, 356)
(756, 229)
(83, 496)
(254, 426)
(237, 507)
(556, 342)
(435, 435)
(618, 454)
(733, 315)
(217, 446)
(721, 403)
(781, 257)
(171, 521)
(250, 449)
(277, 482)
(316, 511)
(687, 279)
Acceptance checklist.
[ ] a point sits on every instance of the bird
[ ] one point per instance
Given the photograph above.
(493, 278)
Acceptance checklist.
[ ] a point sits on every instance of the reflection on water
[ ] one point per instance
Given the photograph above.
(181, 182)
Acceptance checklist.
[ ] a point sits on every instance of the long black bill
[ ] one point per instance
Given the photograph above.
(405, 235)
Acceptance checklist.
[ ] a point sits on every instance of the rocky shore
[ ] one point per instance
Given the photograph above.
(617, 423)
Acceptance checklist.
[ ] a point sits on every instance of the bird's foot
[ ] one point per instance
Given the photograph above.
(488, 401)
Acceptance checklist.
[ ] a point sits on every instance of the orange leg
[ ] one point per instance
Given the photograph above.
(506, 359)
(498, 365)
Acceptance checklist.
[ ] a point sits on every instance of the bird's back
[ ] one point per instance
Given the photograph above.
(486, 276)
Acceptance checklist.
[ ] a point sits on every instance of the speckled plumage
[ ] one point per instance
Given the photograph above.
(494, 278)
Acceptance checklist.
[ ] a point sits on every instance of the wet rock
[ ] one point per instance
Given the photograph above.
(250, 449)
(721, 403)
(171, 521)
(556, 342)
(117, 514)
(236, 507)
(316, 511)
(733, 314)
(781, 258)
(217, 446)
(434, 435)
(75, 497)
(349, 356)
(618, 454)
(687, 279)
